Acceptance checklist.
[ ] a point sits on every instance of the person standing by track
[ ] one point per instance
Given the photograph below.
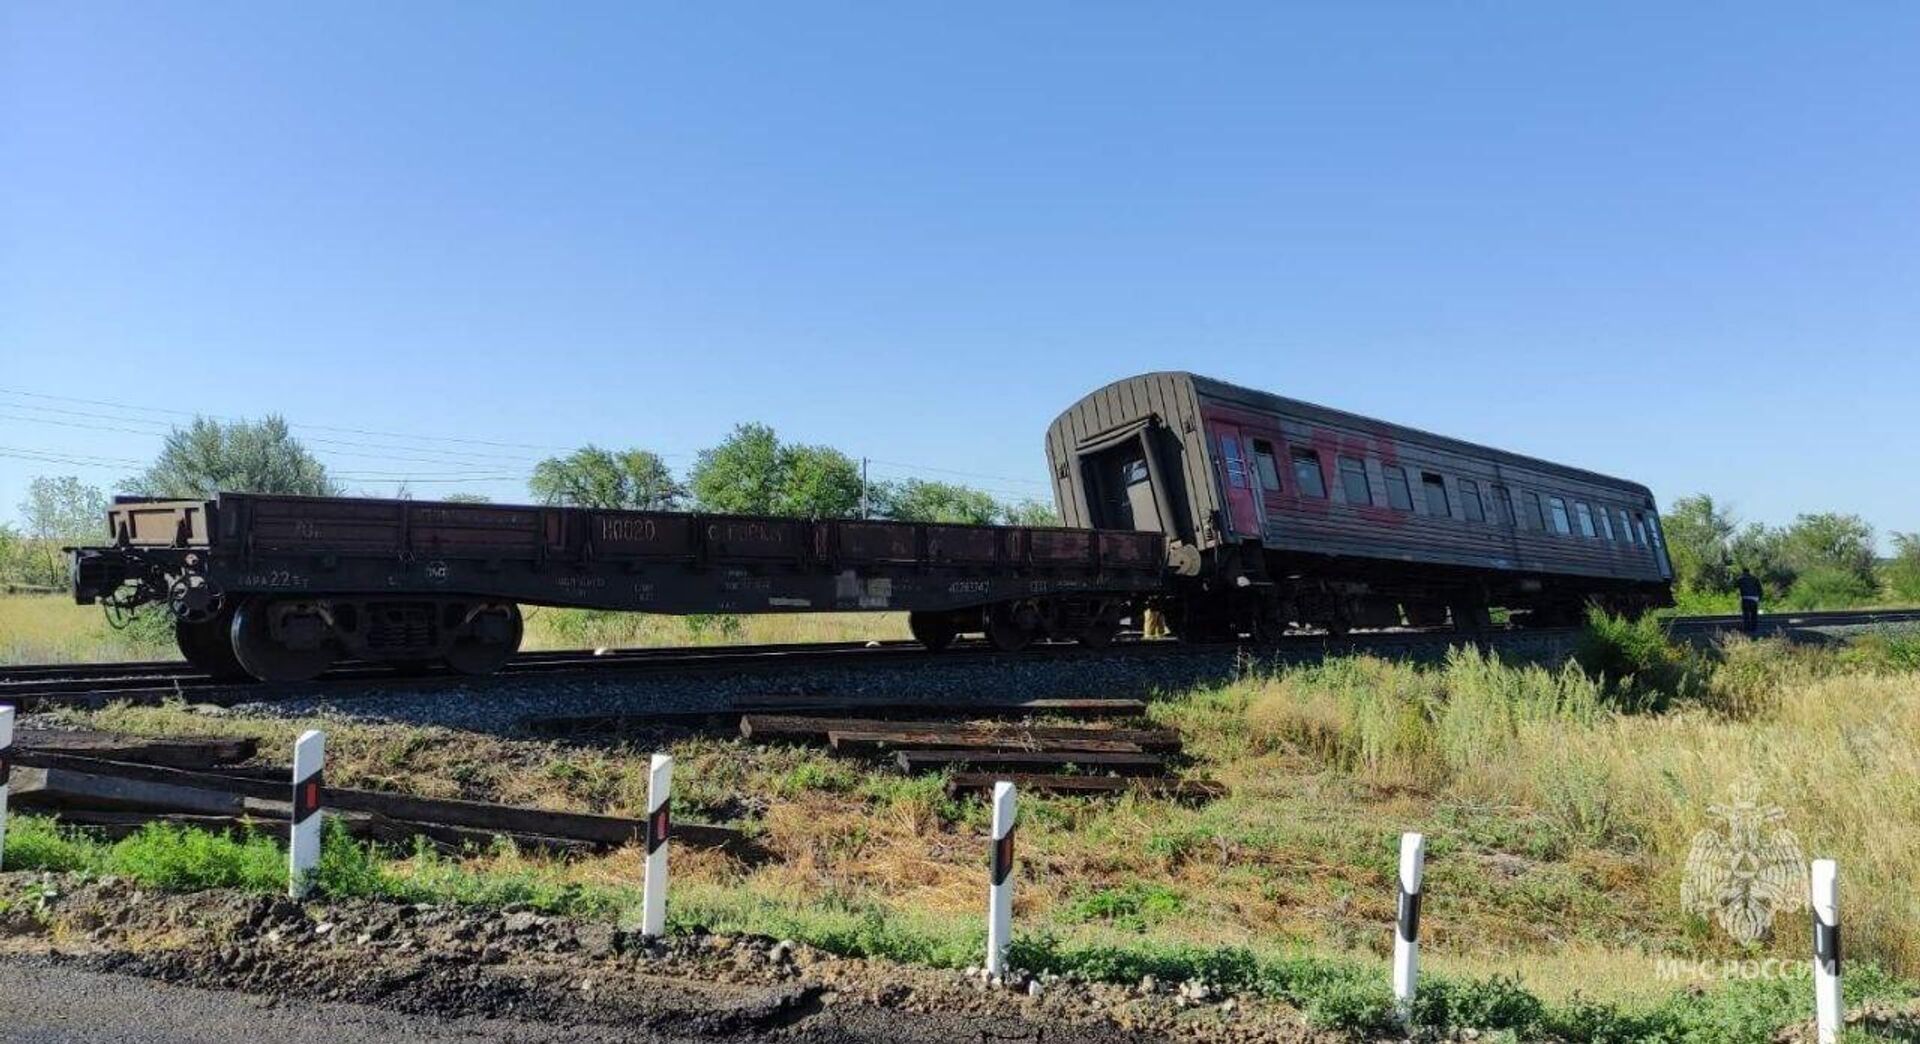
(1749, 586)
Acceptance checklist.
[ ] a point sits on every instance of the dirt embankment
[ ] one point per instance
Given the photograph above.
(585, 977)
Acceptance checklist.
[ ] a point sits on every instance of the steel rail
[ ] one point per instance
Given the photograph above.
(37, 685)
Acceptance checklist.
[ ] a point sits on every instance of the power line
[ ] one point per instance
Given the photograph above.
(169, 427)
(316, 427)
(53, 457)
(965, 474)
(386, 457)
(438, 456)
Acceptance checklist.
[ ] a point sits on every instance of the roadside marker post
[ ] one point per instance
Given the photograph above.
(1826, 949)
(303, 849)
(1406, 935)
(1000, 891)
(6, 770)
(653, 899)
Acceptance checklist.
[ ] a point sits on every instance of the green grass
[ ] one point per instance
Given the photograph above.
(1332, 992)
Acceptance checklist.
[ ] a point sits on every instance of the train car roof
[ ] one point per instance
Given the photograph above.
(1218, 389)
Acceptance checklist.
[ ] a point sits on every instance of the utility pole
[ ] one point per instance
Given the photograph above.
(863, 489)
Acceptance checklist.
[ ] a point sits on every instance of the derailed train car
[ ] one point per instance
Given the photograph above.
(1234, 512)
(280, 587)
(1282, 513)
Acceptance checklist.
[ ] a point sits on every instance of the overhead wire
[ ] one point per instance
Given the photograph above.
(405, 454)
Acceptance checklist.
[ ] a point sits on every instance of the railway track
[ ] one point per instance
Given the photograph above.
(34, 686)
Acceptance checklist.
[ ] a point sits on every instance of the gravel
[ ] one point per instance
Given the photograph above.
(446, 960)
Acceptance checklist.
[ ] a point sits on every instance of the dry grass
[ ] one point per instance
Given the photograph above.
(1558, 828)
(52, 629)
(575, 629)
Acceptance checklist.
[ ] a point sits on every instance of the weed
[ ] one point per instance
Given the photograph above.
(1642, 669)
(1134, 907)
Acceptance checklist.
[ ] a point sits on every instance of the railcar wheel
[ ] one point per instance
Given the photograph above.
(1099, 632)
(936, 631)
(208, 645)
(1006, 630)
(299, 652)
(492, 638)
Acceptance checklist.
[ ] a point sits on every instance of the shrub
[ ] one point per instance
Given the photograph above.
(1642, 669)
(1828, 588)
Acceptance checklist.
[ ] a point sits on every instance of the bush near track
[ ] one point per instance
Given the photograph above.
(1558, 805)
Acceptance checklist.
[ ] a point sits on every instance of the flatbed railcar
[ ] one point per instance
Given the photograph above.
(1280, 513)
(279, 587)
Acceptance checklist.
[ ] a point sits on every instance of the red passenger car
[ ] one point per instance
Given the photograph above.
(1279, 512)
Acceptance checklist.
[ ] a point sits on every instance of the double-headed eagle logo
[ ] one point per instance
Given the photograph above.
(1745, 876)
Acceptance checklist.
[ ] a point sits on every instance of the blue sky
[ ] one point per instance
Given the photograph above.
(1679, 243)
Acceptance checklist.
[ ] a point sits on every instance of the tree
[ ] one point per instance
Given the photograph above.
(1698, 533)
(1030, 513)
(467, 498)
(58, 512)
(741, 475)
(208, 456)
(1903, 572)
(1759, 549)
(817, 482)
(1830, 542)
(919, 501)
(13, 555)
(634, 479)
(752, 473)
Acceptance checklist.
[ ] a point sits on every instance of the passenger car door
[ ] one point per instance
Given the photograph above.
(1245, 514)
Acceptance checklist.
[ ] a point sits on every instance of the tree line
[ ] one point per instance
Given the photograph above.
(1822, 559)
(751, 471)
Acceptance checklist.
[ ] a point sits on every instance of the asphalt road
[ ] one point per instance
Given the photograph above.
(45, 1003)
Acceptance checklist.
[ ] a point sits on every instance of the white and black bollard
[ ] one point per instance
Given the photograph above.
(6, 771)
(1000, 888)
(303, 849)
(1826, 949)
(653, 899)
(1406, 935)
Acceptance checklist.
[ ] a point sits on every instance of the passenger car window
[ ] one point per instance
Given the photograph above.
(1502, 505)
(1470, 501)
(1263, 462)
(1399, 497)
(1306, 473)
(1353, 481)
(1235, 464)
(1536, 516)
(1626, 528)
(1559, 508)
(1436, 490)
(1606, 521)
(1586, 518)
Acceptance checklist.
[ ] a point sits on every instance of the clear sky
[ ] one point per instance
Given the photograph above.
(1675, 242)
